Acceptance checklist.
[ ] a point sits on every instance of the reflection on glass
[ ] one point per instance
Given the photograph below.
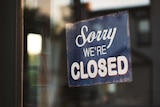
(46, 73)
(31, 4)
(144, 26)
(112, 88)
(95, 5)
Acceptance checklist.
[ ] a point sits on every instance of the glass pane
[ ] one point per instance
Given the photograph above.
(45, 66)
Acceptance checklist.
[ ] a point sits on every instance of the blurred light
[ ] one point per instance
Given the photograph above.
(96, 5)
(112, 88)
(31, 4)
(144, 26)
(63, 2)
(56, 5)
(34, 44)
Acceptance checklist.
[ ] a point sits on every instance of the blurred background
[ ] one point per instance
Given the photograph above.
(45, 63)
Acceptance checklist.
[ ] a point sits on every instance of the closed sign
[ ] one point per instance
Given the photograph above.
(98, 50)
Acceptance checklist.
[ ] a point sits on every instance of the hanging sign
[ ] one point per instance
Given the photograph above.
(98, 50)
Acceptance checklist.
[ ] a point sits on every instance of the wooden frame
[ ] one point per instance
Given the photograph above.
(12, 54)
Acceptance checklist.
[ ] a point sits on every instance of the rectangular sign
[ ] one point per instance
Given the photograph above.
(98, 50)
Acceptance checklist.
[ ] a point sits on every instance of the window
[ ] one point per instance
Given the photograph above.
(45, 73)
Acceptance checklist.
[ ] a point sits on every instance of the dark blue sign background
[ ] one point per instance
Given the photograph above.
(120, 47)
